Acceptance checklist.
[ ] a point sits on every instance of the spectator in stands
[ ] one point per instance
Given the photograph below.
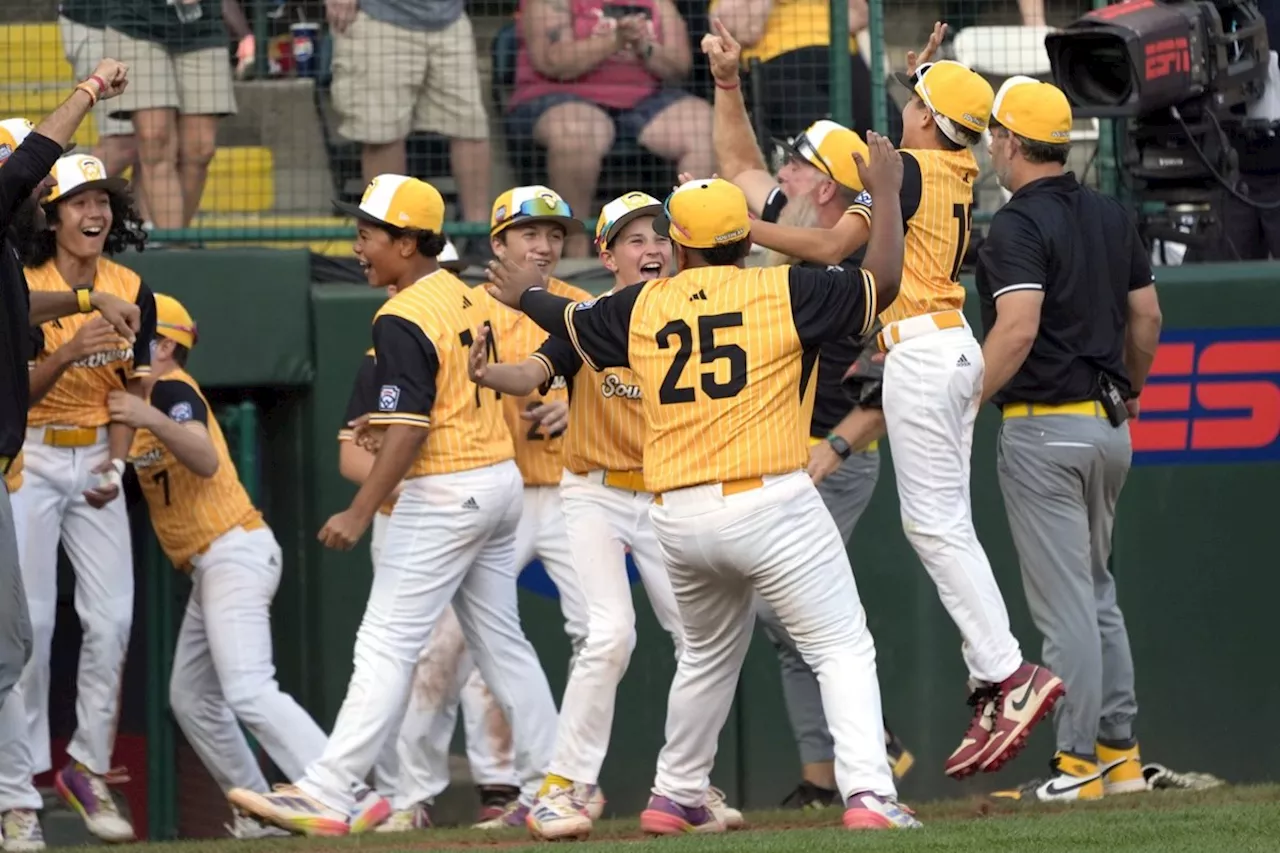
(410, 65)
(790, 39)
(83, 24)
(180, 86)
(590, 73)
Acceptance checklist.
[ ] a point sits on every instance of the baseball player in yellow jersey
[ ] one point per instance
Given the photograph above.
(451, 536)
(414, 765)
(606, 509)
(74, 456)
(933, 373)
(223, 671)
(719, 353)
(531, 224)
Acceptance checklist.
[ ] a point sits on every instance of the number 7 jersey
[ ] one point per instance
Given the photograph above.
(723, 356)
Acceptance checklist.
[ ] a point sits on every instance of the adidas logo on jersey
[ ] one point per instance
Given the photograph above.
(701, 294)
(466, 303)
(470, 503)
(962, 362)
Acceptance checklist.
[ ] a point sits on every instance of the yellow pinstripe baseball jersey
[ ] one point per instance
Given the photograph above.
(722, 355)
(606, 432)
(188, 511)
(422, 340)
(363, 400)
(79, 397)
(540, 456)
(937, 207)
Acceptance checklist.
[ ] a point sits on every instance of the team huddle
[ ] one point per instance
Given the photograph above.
(719, 424)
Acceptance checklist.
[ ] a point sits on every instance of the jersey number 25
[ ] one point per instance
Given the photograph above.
(670, 390)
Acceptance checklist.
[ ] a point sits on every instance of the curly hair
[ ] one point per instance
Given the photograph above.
(38, 246)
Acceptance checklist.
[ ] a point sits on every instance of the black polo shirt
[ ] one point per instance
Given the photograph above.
(830, 403)
(19, 174)
(1082, 250)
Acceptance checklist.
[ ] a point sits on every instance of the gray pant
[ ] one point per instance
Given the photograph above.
(15, 622)
(1061, 476)
(846, 491)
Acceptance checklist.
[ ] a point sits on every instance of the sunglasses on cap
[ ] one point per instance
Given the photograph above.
(538, 206)
(190, 330)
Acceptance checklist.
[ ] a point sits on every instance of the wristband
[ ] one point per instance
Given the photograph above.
(839, 445)
(84, 299)
(88, 90)
(720, 85)
(102, 84)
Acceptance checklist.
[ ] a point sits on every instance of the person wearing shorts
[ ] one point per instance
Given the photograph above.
(587, 79)
(401, 66)
(181, 86)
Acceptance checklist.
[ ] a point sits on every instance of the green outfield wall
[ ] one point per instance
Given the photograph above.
(1195, 544)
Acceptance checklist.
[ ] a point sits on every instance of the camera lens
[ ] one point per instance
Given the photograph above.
(1098, 72)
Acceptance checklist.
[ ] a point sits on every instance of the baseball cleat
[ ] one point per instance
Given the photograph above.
(1024, 699)
(245, 827)
(1161, 778)
(872, 811)
(1071, 778)
(87, 793)
(664, 816)
(371, 810)
(964, 761)
(1125, 776)
(20, 829)
(291, 809)
(593, 801)
(900, 758)
(810, 797)
(494, 800)
(559, 815)
(406, 820)
(725, 813)
(514, 814)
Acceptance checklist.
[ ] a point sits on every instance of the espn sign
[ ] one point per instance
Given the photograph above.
(1213, 396)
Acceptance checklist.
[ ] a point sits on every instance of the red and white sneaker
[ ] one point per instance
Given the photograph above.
(964, 761)
(1023, 700)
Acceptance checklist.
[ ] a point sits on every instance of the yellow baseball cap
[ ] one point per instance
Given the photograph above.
(954, 92)
(704, 213)
(79, 172)
(615, 215)
(1034, 110)
(829, 147)
(12, 133)
(399, 201)
(531, 204)
(174, 322)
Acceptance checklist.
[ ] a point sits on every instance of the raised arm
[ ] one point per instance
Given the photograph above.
(738, 157)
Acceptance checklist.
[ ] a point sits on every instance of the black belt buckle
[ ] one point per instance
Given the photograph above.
(1112, 402)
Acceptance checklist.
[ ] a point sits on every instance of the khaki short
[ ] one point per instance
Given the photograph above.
(388, 81)
(194, 83)
(84, 48)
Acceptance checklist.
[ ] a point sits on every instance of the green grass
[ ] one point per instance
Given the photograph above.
(1223, 820)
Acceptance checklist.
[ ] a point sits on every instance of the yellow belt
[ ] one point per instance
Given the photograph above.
(875, 445)
(1092, 408)
(630, 480)
(732, 487)
(70, 436)
(6, 462)
(953, 319)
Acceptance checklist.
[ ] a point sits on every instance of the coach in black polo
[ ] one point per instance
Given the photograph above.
(1072, 322)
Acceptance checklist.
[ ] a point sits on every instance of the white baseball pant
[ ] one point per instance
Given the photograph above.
(224, 672)
(542, 534)
(49, 508)
(932, 390)
(450, 538)
(414, 765)
(17, 788)
(779, 541)
(602, 522)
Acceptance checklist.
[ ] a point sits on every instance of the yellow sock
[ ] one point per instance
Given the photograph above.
(553, 781)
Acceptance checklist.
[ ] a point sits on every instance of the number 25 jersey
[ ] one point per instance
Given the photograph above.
(722, 356)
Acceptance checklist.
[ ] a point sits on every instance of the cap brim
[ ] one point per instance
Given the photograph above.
(571, 225)
(111, 185)
(789, 148)
(904, 80)
(353, 210)
(626, 218)
(662, 226)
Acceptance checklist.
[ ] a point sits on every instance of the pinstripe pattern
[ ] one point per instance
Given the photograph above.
(188, 511)
(465, 426)
(936, 236)
(540, 458)
(719, 436)
(79, 397)
(607, 427)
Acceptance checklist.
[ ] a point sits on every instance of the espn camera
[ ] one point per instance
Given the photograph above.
(1187, 79)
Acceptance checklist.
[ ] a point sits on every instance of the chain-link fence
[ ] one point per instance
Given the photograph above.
(245, 118)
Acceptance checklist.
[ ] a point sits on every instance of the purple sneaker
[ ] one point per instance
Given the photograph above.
(665, 816)
(514, 815)
(87, 793)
